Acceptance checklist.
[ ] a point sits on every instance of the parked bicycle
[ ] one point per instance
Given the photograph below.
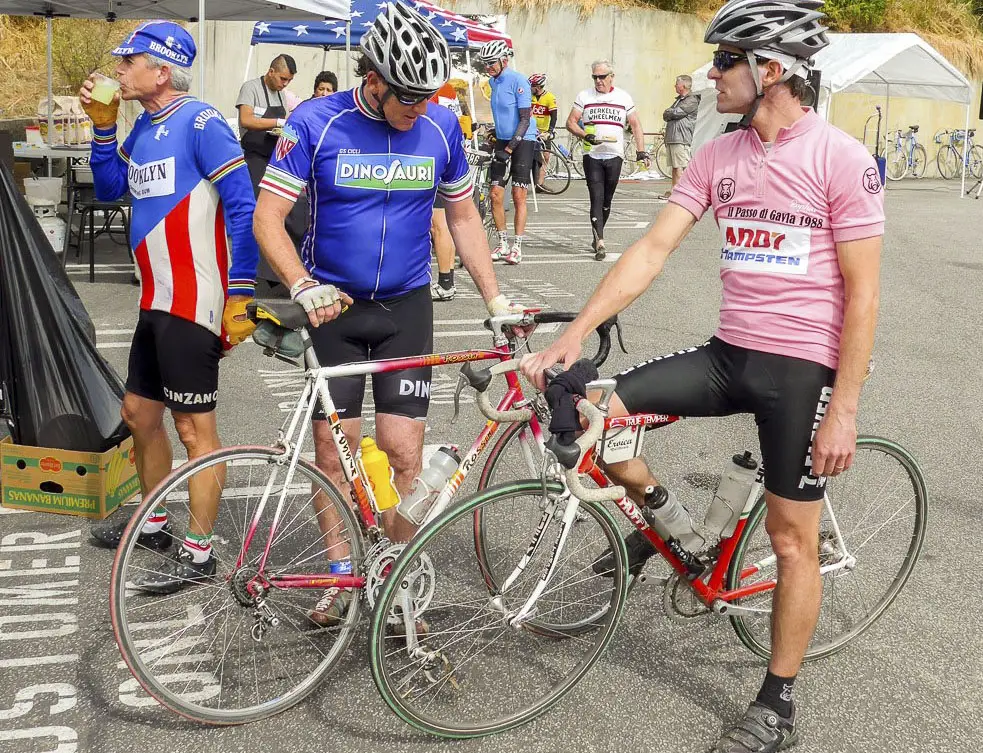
(907, 156)
(657, 148)
(558, 170)
(240, 647)
(950, 158)
(518, 621)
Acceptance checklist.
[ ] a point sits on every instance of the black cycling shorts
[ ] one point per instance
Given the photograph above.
(520, 167)
(175, 362)
(372, 330)
(788, 397)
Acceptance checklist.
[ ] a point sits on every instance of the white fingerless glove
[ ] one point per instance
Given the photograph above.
(500, 305)
(314, 296)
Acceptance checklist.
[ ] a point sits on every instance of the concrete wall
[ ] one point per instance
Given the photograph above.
(648, 48)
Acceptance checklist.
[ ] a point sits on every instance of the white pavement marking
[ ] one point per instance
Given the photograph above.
(35, 661)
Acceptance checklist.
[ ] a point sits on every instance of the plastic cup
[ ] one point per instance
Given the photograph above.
(104, 88)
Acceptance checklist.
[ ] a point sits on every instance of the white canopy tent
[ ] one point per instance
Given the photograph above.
(186, 10)
(892, 65)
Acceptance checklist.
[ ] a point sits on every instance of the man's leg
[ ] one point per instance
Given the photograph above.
(198, 433)
(401, 439)
(676, 175)
(151, 446)
(443, 246)
(521, 212)
(326, 458)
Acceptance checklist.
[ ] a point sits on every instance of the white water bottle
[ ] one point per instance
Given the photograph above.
(416, 504)
(732, 493)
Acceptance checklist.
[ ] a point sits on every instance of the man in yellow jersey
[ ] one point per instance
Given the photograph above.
(544, 110)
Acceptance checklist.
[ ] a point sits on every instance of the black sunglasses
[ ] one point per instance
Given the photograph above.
(724, 60)
(405, 98)
(601, 77)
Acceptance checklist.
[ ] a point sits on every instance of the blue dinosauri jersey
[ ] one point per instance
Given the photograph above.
(371, 190)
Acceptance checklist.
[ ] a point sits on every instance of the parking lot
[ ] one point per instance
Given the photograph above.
(910, 683)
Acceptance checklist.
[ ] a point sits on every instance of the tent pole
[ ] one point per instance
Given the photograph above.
(51, 93)
(249, 63)
(201, 50)
(474, 113)
(348, 54)
(324, 57)
(962, 190)
(887, 116)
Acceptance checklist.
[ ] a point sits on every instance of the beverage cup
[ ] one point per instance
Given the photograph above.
(104, 88)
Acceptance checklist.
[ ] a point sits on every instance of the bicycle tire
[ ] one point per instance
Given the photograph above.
(557, 178)
(577, 157)
(398, 696)
(746, 626)
(897, 165)
(139, 656)
(662, 160)
(919, 159)
(976, 162)
(948, 161)
(629, 165)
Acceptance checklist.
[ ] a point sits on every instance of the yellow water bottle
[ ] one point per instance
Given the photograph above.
(375, 463)
(589, 130)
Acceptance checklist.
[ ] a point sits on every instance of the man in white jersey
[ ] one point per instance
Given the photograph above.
(605, 112)
(800, 212)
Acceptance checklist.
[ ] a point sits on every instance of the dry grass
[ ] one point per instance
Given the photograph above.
(79, 47)
(948, 25)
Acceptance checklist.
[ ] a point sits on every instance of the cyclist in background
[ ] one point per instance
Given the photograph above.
(442, 289)
(373, 158)
(515, 140)
(800, 209)
(544, 110)
(599, 116)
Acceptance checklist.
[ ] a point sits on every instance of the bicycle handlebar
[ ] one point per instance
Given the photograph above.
(504, 323)
(584, 443)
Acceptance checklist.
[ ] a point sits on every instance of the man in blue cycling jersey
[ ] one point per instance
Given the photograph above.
(515, 140)
(373, 160)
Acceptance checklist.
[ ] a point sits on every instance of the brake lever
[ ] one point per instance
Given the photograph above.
(462, 382)
(621, 342)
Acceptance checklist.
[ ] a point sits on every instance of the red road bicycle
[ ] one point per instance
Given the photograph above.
(239, 647)
(512, 623)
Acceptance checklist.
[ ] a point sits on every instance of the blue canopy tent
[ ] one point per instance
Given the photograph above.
(459, 31)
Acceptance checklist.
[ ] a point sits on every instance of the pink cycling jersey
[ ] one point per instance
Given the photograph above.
(781, 211)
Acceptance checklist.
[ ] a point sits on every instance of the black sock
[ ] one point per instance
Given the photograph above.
(446, 279)
(776, 693)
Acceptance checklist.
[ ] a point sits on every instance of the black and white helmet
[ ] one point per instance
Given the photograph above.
(406, 49)
(788, 27)
(493, 51)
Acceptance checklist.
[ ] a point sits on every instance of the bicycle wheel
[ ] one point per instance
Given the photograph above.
(662, 160)
(629, 165)
(459, 668)
(919, 158)
(515, 455)
(897, 165)
(948, 161)
(557, 179)
(881, 505)
(976, 162)
(214, 652)
(577, 157)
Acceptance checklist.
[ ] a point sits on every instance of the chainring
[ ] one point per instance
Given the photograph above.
(680, 602)
(421, 581)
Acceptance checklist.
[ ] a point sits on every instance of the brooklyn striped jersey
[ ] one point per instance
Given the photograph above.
(185, 172)
(371, 190)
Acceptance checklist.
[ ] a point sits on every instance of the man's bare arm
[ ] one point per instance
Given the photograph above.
(249, 122)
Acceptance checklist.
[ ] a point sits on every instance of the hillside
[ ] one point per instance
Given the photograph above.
(953, 27)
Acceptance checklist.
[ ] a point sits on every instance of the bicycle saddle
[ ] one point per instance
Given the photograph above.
(972, 131)
(287, 314)
(914, 129)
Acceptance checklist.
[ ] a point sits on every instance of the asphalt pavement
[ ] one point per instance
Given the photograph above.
(912, 682)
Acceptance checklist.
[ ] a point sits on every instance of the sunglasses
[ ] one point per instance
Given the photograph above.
(724, 60)
(405, 98)
(600, 77)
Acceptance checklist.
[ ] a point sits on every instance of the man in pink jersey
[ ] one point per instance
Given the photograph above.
(800, 212)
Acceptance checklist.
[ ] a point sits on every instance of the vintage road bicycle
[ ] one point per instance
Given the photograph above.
(239, 646)
(517, 613)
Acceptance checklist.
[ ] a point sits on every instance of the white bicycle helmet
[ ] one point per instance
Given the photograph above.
(493, 51)
(406, 49)
(788, 27)
(537, 79)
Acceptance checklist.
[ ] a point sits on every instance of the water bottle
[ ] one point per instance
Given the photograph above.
(732, 492)
(589, 129)
(563, 150)
(670, 519)
(430, 481)
(375, 463)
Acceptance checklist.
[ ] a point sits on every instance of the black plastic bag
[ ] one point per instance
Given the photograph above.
(57, 390)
